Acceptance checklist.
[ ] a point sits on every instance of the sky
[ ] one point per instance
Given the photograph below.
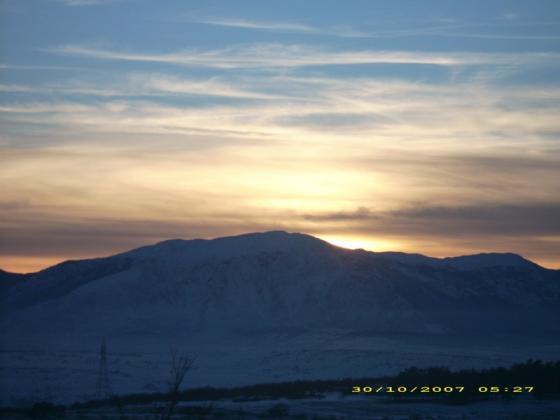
(429, 127)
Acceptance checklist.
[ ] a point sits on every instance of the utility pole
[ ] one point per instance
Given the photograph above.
(102, 389)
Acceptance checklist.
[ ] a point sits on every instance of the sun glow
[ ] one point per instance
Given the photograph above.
(18, 264)
(357, 242)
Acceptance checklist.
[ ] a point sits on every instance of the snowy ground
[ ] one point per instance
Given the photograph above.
(45, 370)
(333, 406)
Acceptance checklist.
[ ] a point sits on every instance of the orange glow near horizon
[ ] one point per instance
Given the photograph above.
(23, 264)
(361, 242)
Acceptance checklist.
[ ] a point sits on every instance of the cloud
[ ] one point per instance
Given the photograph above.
(509, 16)
(142, 85)
(500, 36)
(281, 55)
(361, 213)
(170, 85)
(54, 238)
(266, 26)
(502, 220)
(41, 68)
(119, 195)
(86, 2)
(286, 27)
(328, 110)
(16, 88)
(533, 219)
(451, 28)
(530, 229)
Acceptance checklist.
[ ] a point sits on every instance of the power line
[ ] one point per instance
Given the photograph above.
(102, 388)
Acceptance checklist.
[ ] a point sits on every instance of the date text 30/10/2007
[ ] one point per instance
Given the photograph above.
(439, 389)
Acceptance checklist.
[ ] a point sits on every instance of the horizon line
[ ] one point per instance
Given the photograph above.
(275, 231)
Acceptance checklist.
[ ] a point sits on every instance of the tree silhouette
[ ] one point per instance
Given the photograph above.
(180, 365)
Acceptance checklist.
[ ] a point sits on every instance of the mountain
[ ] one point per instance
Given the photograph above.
(281, 280)
(263, 307)
(7, 280)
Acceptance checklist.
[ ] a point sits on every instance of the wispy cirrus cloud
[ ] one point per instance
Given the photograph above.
(286, 56)
(293, 107)
(286, 27)
(259, 25)
(153, 84)
(429, 29)
(500, 36)
(40, 68)
(86, 2)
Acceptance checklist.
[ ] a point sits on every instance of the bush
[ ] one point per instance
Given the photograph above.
(46, 409)
(278, 410)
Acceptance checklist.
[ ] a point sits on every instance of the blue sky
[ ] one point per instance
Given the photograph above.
(62, 37)
(418, 126)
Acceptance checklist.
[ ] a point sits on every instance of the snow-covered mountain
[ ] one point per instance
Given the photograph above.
(278, 280)
(266, 307)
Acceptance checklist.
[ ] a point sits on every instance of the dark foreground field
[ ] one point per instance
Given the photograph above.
(529, 390)
(329, 407)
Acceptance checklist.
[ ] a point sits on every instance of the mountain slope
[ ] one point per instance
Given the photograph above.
(281, 280)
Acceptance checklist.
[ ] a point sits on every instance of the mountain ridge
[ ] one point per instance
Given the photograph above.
(497, 258)
(283, 280)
